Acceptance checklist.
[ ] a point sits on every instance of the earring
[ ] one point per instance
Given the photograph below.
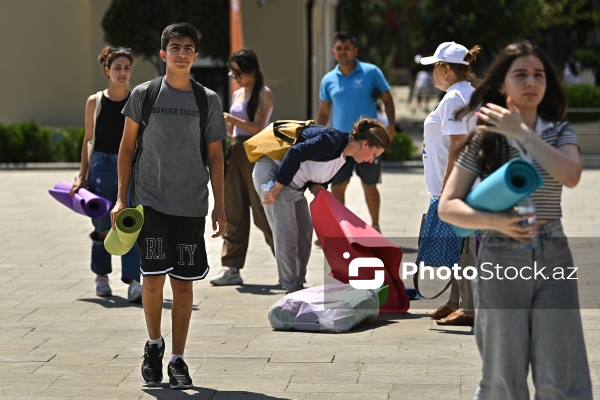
(445, 79)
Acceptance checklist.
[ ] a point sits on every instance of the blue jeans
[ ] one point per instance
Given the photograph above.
(103, 182)
(529, 322)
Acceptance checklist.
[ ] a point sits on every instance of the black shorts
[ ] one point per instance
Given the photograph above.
(173, 245)
(369, 173)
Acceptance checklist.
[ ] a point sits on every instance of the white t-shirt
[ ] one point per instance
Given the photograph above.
(317, 171)
(439, 124)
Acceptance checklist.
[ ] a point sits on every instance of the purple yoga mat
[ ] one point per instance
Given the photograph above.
(84, 201)
(62, 197)
(64, 186)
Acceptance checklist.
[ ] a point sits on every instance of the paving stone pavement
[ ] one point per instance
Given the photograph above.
(60, 341)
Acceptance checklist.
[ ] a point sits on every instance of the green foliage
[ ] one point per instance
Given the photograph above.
(139, 23)
(23, 142)
(469, 22)
(401, 149)
(69, 144)
(587, 57)
(28, 142)
(373, 22)
(494, 24)
(227, 144)
(564, 12)
(11, 141)
(584, 96)
(44, 145)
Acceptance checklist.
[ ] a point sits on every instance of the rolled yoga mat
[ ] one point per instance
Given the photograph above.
(504, 188)
(84, 202)
(129, 223)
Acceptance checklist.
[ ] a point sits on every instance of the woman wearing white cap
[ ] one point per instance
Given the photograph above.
(443, 135)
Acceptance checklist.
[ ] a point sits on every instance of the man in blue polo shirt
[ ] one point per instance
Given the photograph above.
(351, 89)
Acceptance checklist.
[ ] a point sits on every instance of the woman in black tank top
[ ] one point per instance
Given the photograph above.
(98, 171)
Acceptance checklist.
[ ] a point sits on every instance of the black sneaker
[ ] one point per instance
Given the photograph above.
(152, 366)
(179, 376)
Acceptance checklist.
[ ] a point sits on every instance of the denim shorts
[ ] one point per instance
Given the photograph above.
(369, 173)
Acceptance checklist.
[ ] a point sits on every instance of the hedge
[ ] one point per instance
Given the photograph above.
(583, 96)
(401, 149)
(587, 57)
(28, 142)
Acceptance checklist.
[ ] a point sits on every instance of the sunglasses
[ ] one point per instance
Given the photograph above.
(235, 74)
(119, 49)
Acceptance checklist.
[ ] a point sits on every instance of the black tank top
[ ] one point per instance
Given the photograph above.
(109, 125)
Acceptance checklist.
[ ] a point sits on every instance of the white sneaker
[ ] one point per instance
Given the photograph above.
(102, 287)
(228, 276)
(134, 293)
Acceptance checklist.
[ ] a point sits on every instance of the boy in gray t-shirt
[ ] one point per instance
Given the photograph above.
(171, 182)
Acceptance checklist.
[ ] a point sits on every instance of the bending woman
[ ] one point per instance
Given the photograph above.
(249, 114)
(311, 163)
(99, 176)
(522, 323)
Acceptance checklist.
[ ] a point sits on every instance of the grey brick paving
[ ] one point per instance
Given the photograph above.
(60, 341)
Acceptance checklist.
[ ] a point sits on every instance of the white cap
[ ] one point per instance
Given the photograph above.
(449, 52)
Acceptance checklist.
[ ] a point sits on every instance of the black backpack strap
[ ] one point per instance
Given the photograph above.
(149, 100)
(202, 103)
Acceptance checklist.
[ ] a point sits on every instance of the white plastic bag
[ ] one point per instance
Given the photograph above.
(333, 307)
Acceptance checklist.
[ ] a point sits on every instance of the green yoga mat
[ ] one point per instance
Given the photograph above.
(129, 223)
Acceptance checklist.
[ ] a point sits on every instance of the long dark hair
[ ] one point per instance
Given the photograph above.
(493, 152)
(248, 62)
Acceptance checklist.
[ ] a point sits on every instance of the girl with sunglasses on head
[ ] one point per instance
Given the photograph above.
(249, 114)
(526, 321)
(99, 174)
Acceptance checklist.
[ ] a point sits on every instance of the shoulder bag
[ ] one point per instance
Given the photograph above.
(90, 144)
(275, 140)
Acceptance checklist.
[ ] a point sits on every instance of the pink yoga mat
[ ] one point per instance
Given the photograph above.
(345, 237)
(84, 202)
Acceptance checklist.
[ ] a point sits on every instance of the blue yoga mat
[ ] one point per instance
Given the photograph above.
(504, 188)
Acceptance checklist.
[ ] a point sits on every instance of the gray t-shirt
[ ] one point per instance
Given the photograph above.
(169, 175)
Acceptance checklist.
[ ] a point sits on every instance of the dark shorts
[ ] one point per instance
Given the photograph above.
(172, 245)
(369, 173)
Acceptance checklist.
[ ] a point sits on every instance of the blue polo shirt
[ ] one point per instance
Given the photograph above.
(352, 96)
